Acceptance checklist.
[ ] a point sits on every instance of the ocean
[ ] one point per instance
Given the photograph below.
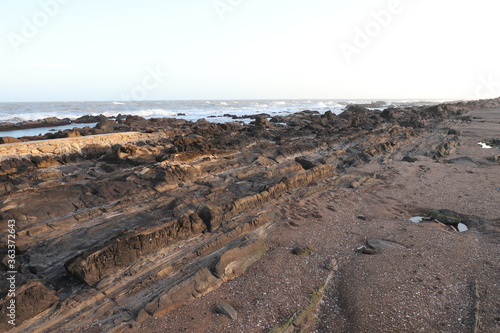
(212, 110)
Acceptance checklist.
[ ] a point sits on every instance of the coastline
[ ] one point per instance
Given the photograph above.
(200, 190)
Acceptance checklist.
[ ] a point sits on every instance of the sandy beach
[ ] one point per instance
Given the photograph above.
(298, 224)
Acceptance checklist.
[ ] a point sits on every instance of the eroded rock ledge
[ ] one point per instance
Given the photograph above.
(113, 233)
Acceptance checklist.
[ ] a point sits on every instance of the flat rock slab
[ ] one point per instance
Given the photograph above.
(380, 243)
(463, 161)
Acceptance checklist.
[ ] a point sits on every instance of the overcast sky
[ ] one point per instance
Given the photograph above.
(69, 50)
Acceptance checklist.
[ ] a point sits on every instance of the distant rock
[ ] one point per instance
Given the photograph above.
(260, 121)
(391, 114)
(8, 139)
(73, 134)
(87, 119)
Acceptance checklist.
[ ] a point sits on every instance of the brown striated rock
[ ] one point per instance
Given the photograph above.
(31, 299)
(122, 251)
(72, 134)
(235, 262)
(8, 139)
(160, 218)
(196, 286)
(231, 264)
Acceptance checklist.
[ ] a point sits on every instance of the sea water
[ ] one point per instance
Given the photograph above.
(211, 110)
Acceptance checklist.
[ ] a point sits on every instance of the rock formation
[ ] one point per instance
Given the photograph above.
(118, 232)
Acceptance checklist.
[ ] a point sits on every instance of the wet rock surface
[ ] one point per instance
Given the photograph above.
(124, 233)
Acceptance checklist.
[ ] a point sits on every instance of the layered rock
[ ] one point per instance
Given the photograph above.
(122, 230)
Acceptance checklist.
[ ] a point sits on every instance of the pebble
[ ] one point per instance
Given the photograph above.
(228, 310)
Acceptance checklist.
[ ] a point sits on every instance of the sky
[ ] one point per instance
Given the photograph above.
(70, 50)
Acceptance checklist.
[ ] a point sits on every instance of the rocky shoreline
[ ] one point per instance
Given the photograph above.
(115, 237)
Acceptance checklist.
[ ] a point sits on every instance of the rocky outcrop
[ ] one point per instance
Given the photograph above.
(121, 252)
(30, 299)
(231, 264)
(127, 225)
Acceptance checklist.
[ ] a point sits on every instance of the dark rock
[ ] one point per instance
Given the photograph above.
(391, 114)
(305, 162)
(302, 251)
(409, 159)
(228, 310)
(93, 265)
(31, 299)
(87, 119)
(366, 250)
(462, 161)
(260, 121)
(278, 119)
(495, 143)
(361, 217)
(445, 216)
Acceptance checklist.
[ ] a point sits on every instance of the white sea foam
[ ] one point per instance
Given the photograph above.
(142, 113)
(193, 110)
